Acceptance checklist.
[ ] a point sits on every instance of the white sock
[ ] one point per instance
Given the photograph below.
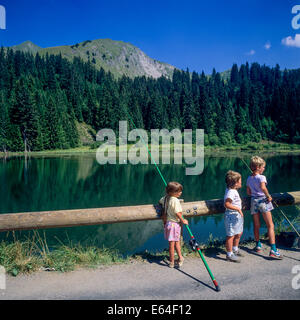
(230, 253)
(235, 248)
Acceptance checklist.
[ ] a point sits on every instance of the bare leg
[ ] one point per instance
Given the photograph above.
(171, 250)
(236, 239)
(178, 250)
(256, 226)
(229, 243)
(270, 225)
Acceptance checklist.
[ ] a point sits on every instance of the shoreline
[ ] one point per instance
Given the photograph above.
(216, 151)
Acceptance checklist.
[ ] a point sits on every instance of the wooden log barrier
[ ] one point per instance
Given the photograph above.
(82, 217)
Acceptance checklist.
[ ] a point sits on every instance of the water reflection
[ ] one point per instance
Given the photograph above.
(72, 182)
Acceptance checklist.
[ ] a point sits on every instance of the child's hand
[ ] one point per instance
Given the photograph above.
(241, 213)
(269, 198)
(184, 221)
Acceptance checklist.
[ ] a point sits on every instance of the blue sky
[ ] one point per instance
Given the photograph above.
(199, 35)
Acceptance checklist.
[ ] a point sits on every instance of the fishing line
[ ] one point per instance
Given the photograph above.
(163, 179)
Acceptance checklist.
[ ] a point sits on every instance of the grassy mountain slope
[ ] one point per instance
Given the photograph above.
(27, 46)
(118, 57)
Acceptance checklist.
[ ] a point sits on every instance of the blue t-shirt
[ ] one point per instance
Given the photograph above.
(253, 182)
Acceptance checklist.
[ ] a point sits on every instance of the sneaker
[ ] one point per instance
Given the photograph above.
(238, 253)
(232, 258)
(258, 248)
(180, 262)
(275, 254)
(171, 264)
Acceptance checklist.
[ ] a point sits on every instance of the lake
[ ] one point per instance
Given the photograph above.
(78, 181)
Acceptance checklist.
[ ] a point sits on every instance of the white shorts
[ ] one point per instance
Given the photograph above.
(234, 223)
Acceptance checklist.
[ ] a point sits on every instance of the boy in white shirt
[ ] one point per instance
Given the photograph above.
(233, 218)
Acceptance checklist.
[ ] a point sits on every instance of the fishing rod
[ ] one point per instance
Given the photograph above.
(195, 246)
(193, 242)
(277, 205)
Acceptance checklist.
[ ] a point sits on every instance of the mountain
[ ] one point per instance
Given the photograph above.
(118, 57)
(27, 46)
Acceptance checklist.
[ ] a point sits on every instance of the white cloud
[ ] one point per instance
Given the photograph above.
(250, 53)
(267, 46)
(290, 42)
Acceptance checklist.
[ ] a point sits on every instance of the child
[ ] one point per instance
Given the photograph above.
(172, 216)
(234, 218)
(261, 203)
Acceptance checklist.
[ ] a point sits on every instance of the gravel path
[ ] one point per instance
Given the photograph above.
(256, 277)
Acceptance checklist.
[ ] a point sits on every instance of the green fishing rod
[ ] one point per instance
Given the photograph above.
(193, 242)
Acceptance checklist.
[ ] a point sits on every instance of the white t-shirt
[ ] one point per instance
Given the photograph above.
(234, 196)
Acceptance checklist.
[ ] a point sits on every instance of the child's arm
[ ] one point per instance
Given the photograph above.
(179, 215)
(265, 191)
(164, 217)
(228, 205)
(248, 191)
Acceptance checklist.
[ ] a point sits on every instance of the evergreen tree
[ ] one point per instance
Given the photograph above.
(43, 99)
(234, 75)
(4, 124)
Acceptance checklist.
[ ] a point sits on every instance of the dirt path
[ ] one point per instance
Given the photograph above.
(256, 277)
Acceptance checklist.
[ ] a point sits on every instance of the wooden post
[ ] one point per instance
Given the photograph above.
(81, 217)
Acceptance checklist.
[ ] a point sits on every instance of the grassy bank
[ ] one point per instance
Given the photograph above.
(25, 257)
(58, 152)
(262, 147)
(33, 254)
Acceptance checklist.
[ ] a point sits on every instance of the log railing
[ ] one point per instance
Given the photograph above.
(81, 217)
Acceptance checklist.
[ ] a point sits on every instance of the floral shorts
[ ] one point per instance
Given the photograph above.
(172, 231)
(260, 205)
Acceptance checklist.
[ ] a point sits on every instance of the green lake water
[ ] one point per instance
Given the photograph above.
(78, 181)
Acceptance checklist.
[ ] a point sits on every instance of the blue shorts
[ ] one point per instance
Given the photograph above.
(260, 205)
(234, 223)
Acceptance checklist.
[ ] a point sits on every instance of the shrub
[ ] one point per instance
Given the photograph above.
(240, 138)
(214, 140)
(225, 138)
(96, 144)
